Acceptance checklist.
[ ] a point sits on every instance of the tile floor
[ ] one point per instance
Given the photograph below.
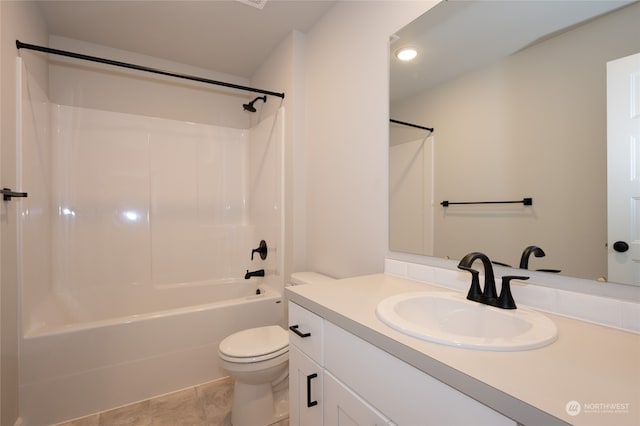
(204, 405)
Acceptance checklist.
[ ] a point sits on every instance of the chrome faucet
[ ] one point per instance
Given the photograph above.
(488, 294)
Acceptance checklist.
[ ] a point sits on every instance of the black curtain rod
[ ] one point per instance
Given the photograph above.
(21, 45)
(411, 125)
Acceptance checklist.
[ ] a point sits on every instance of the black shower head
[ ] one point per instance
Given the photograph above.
(249, 107)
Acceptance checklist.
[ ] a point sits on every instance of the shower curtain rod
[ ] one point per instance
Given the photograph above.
(21, 45)
(411, 125)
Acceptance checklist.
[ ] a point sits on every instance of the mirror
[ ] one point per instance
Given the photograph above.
(516, 94)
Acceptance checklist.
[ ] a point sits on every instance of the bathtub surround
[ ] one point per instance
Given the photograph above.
(144, 204)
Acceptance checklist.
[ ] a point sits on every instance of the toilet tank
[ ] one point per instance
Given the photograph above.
(300, 278)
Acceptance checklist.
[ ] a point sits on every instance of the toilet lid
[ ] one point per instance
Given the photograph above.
(255, 342)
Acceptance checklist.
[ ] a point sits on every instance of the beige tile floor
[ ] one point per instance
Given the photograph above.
(204, 405)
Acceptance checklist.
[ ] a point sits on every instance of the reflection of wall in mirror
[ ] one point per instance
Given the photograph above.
(411, 196)
(551, 99)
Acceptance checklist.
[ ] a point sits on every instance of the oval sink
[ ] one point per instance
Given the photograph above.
(451, 319)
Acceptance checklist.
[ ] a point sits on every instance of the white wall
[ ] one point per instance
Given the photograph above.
(347, 134)
(18, 20)
(92, 85)
(411, 196)
(518, 128)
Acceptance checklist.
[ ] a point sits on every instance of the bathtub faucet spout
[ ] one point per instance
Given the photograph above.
(258, 273)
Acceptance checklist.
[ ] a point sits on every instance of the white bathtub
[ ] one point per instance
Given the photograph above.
(72, 368)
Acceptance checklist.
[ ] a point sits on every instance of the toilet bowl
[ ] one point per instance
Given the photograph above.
(258, 360)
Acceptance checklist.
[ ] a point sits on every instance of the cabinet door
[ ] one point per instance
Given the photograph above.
(305, 390)
(342, 407)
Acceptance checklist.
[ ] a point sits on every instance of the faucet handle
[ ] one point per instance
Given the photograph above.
(261, 250)
(475, 292)
(505, 300)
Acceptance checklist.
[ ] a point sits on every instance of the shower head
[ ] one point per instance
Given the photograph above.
(249, 107)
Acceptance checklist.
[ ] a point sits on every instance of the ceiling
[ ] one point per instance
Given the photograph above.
(234, 37)
(227, 36)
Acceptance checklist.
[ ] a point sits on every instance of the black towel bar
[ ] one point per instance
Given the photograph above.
(525, 201)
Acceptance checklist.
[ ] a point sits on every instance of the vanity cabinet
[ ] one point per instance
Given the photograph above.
(356, 383)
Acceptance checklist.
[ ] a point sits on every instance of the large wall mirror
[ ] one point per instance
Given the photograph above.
(516, 93)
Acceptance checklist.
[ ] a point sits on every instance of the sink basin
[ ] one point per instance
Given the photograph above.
(451, 319)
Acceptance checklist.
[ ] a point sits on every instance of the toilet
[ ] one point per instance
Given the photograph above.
(258, 360)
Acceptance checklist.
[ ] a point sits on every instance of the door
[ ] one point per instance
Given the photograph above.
(623, 169)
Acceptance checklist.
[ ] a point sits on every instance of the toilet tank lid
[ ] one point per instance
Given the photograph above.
(298, 278)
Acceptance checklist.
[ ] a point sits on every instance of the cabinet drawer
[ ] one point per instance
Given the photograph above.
(306, 331)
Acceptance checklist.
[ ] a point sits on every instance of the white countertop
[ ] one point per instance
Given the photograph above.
(597, 366)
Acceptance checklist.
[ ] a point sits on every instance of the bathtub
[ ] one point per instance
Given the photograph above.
(78, 362)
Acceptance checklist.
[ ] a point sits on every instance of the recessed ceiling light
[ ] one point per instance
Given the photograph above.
(406, 53)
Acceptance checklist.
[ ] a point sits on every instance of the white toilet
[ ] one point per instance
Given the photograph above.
(258, 360)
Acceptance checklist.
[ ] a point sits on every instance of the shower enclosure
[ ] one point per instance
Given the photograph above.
(134, 241)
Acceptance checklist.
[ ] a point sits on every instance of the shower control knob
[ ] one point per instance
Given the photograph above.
(620, 246)
(261, 250)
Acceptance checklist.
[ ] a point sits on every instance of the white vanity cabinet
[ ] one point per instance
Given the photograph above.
(360, 384)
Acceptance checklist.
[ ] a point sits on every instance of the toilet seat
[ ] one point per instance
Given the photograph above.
(255, 345)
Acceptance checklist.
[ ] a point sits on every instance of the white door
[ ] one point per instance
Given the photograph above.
(623, 169)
